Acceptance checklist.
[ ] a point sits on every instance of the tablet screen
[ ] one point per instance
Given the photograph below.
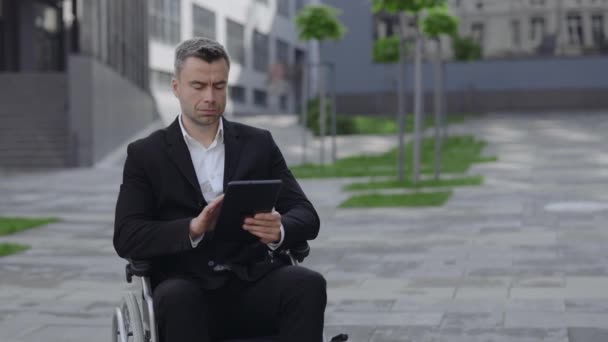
(243, 199)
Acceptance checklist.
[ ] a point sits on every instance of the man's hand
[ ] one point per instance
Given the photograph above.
(205, 221)
(266, 226)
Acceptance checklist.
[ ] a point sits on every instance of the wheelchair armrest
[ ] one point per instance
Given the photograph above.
(140, 268)
(300, 250)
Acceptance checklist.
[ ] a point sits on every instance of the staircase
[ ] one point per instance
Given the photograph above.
(33, 121)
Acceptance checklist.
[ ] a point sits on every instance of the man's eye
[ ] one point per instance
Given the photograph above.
(197, 86)
(220, 86)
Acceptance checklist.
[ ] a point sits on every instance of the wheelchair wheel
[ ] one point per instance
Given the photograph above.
(132, 319)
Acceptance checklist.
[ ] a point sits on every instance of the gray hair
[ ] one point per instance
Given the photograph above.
(206, 49)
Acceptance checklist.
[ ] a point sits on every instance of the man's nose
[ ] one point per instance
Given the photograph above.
(208, 95)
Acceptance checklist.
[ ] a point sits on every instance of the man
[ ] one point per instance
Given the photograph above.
(208, 289)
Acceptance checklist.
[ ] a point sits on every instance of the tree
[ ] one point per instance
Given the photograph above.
(436, 23)
(413, 7)
(319, 22)
(465, 49)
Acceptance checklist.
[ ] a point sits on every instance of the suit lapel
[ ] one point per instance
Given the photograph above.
(233, 147)
(179, 154)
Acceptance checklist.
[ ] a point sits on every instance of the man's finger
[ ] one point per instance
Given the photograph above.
(267, 216)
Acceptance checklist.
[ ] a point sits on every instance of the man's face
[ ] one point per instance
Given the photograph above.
(201, 90)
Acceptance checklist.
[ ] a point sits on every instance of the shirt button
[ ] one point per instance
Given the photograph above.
(211, 263)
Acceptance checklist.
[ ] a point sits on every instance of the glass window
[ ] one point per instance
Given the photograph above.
(260, 98)
(165, 19)
(283, 102)
(537, 28)
(282, 51)
(283, 7)
(203, 22)
(161, 80)
(46, 45)
(597, 29)
(260, 51)
(299, 5)
(237, 94)
(575, 29)
(235, 41)
(477, 32)
(516, 33)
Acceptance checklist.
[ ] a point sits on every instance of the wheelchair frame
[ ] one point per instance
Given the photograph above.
(132, 323)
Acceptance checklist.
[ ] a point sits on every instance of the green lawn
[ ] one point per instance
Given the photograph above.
(419, 199)
(386, 125)
(11, 225)
(407, 183)
(11, 248)
(458, 154)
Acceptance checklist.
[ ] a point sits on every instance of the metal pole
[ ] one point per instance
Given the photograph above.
(334, 119)
(418, 105)
(322, 113)
(401, 100)
(438, 109)
(304, 110)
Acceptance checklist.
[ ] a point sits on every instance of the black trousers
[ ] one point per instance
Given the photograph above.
(289, 302)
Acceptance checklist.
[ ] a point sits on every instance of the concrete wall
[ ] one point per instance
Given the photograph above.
(33, 131)
(105, 110)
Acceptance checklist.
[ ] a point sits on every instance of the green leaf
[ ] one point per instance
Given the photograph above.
(438, 21)
(319, 22)
(412, 6)
(386, 50)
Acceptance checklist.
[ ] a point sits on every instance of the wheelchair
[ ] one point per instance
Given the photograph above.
(134, 323)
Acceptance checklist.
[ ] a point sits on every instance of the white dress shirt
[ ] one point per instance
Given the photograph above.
(208, 164)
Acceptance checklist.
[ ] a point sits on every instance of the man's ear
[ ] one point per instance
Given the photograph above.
(175, 87)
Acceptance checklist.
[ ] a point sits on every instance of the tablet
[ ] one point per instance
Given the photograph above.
(243, 199)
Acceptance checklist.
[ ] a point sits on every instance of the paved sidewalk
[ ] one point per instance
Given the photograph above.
(522, 258)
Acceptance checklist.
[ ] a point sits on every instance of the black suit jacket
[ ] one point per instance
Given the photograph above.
(160, 194)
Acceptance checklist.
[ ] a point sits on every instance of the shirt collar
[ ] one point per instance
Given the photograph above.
(219, 136)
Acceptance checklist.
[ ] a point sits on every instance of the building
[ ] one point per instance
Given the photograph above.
(506, 28)
(261, 40)
(533, 77)
(73, 80)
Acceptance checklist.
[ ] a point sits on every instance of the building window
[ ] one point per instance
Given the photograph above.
(165, 19)
(260, 51)
(260, 98)
(385, 25)
(203, 22)
(161, 80)
(575, 29)
(537, 28)
(597, 29)
(477, 33)
(283, 7)
(516, 33)
(235, 41)
(237, 94)
(299, 5)
(283, 102)
(282, 52)
(46, 46)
